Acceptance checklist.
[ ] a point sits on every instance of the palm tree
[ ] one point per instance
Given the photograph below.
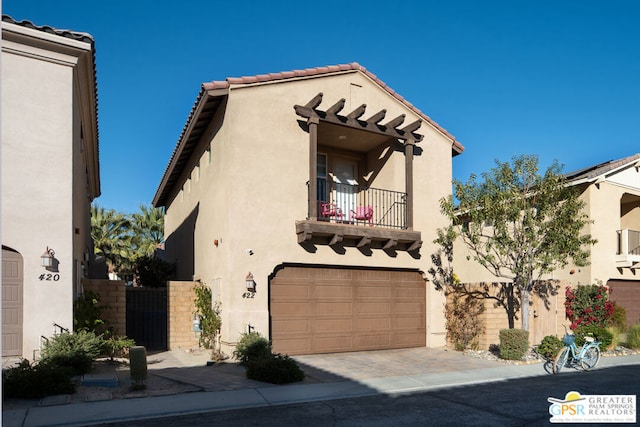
(147, 228)
(110, 233)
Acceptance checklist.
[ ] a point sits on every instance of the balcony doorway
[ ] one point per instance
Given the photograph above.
(344, 178)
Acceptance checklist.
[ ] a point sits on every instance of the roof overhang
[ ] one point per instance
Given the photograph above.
(204, 109)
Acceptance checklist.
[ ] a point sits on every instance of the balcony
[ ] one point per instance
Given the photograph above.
(351, 215)
(628, 253)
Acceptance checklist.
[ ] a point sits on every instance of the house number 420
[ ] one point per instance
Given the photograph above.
(49, 277)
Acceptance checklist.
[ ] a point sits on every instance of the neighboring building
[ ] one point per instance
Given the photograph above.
(322, 187)
(50, 175)
(611, 192)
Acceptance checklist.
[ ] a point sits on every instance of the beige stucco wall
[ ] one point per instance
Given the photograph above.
(253, 191)
(42, 176)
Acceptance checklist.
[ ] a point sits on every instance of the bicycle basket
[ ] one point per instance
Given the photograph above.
(568, 339)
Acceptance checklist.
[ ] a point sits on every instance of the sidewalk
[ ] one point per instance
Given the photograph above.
(332, 376)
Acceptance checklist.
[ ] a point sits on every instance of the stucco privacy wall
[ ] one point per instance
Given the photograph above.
(251, 188)
(39, 154)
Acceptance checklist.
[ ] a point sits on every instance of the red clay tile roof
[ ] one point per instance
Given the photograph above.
(308, 72)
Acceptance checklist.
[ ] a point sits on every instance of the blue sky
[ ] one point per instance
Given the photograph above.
(555, 78)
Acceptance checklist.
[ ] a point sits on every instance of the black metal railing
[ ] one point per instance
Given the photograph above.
(366, 206)
(628, 242)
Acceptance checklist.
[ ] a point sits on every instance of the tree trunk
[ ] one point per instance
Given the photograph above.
(511, 312)
(524, 308)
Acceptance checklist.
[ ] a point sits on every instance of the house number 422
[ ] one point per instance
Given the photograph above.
(49, 277)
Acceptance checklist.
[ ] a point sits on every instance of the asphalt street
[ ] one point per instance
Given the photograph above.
(518, 402)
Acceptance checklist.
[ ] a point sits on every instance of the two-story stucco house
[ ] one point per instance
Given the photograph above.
(50, 175)
(308, 201)
(611, 192)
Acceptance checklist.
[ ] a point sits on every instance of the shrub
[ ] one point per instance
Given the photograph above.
(618, 319)
(26, 381)
(599, 333)
(252, 345)
(633, 336)
(87, 313)
(463, 326)
(274, 369)
(550, 346)
(76, 351)
(117, 346)
(588, 305)
(514, 343)
(153, 272)
(209, 315)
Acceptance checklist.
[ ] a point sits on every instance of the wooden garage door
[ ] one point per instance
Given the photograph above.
(330, 310)
(11, 303)
(627, 294)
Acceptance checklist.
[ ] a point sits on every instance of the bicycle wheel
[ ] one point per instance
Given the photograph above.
(591, 358)
(561, 360)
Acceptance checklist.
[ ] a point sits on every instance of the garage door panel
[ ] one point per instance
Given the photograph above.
(288, 308)
(334, 344)
(408, 292)
(373, 307)
(293, 326)
(367, 291)
(340, 275)
(408, 307)
(297, 345)
(374, 341)
(333, 291)
(372, 275)
(401, 340)
(408, 322)
(333, 308)
(342, 324)
(374, 323)
(292, 291)
(347, 310)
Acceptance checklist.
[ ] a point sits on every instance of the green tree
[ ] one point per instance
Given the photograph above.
(520, 226)
(147, 229)
(110, 231)
(123, 239)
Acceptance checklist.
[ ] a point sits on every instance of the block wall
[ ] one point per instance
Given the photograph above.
(181, 306)
(546, 318)
(113, 295)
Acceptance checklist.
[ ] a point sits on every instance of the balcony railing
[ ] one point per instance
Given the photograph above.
(628, 242)
(353, 204)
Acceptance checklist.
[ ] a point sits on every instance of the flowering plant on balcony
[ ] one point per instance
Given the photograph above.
(588, 305)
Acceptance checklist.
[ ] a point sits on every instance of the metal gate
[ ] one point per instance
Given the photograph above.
(147, 317)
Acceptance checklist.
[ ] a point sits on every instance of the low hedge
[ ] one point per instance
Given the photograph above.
(514, 343)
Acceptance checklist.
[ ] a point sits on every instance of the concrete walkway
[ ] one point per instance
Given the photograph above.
(332, 376)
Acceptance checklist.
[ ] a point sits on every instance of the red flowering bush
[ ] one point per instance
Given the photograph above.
(588, 305)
